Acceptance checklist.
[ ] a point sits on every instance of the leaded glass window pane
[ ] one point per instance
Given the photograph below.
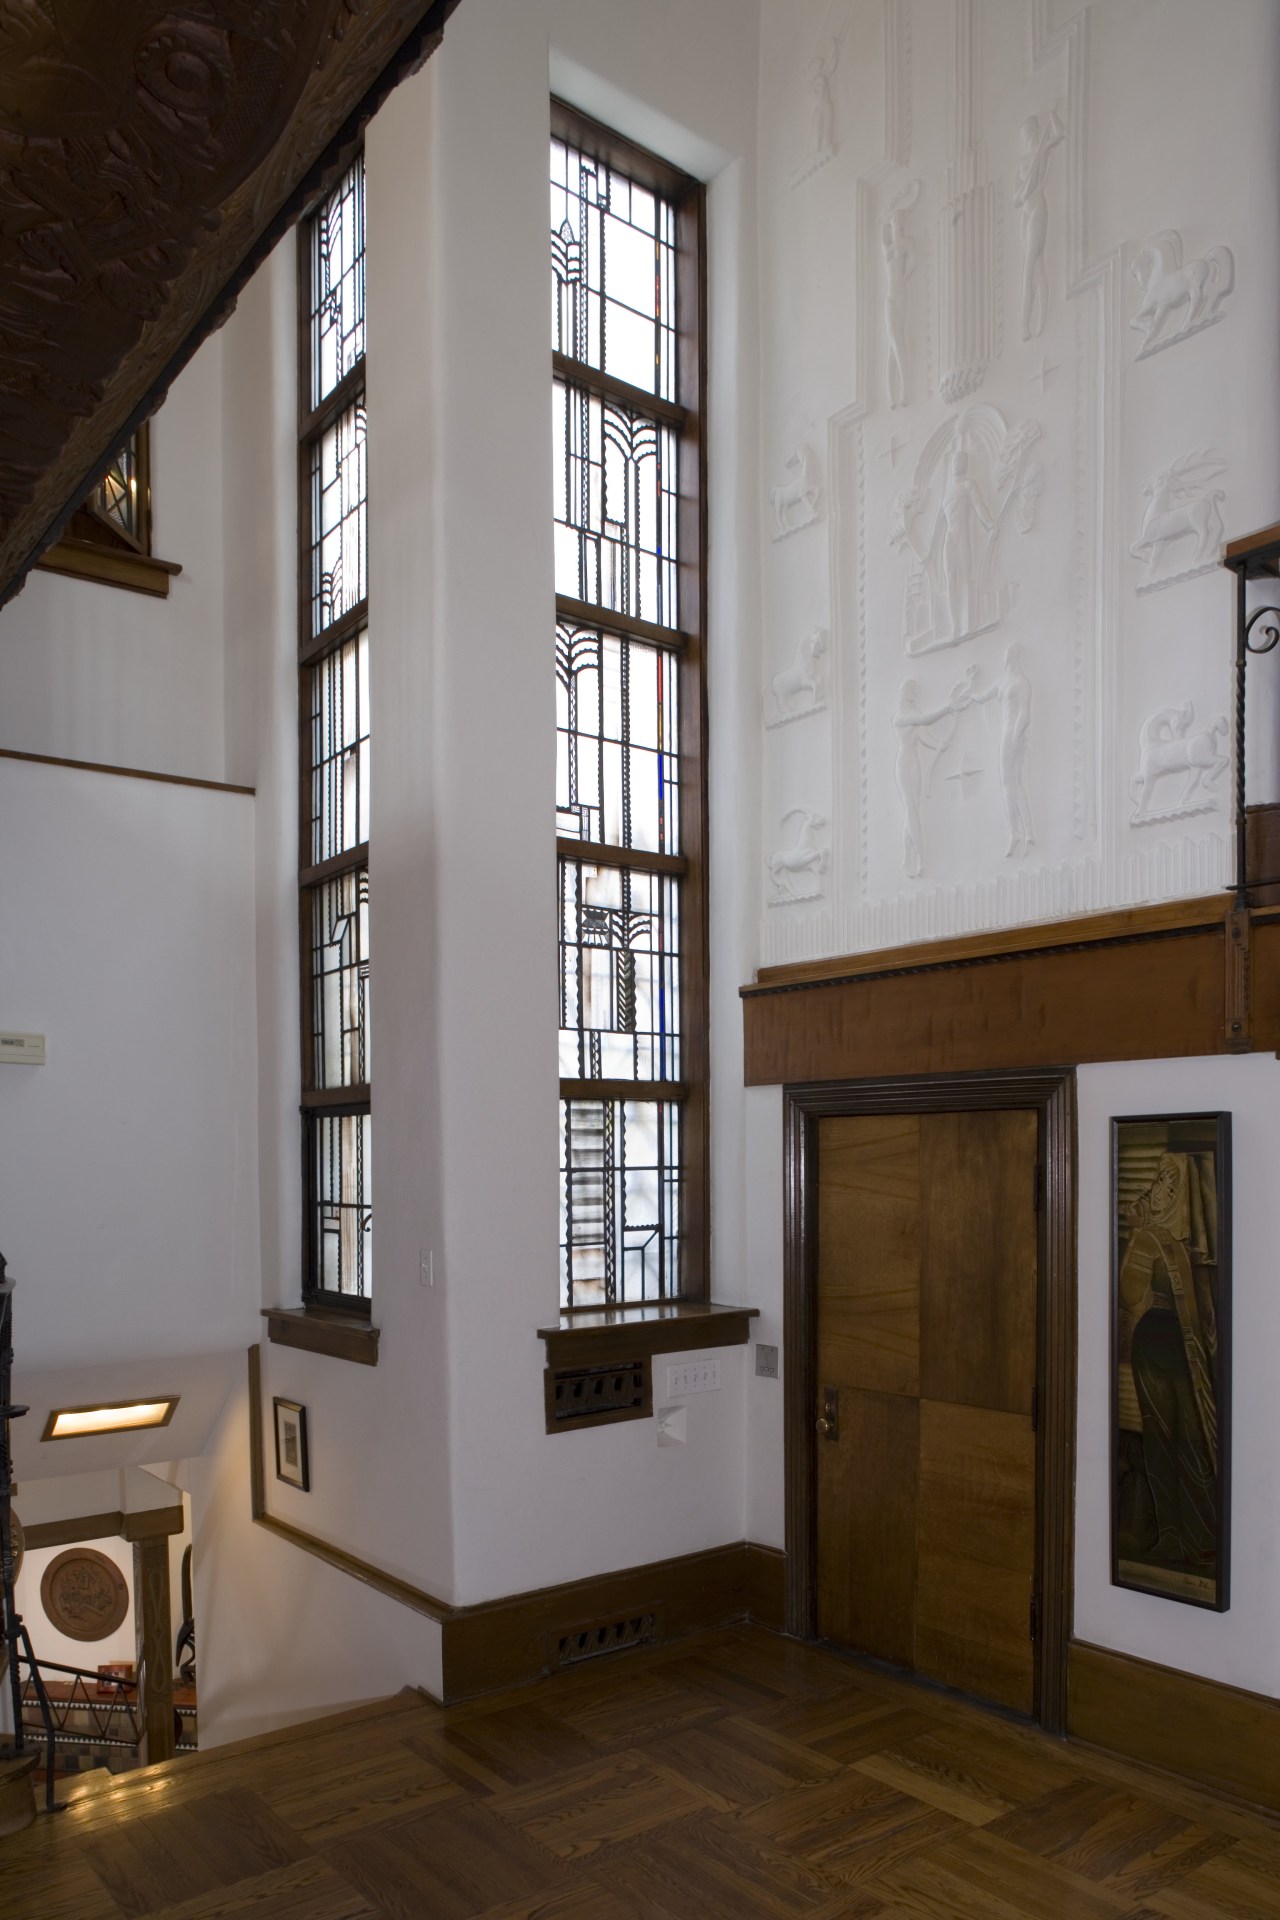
(341, 1146)
(619, 973)
(339, 708)
(617, 765)
(613, 261)
(616, 479)
(340, 980)
(337, 284)
(339, 521)
(116, 497)
(620, 1189)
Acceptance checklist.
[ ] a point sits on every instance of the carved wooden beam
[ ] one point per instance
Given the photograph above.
(150, 157)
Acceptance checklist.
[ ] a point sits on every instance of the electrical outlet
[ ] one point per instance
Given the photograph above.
(766, 1361)
(693, 1376)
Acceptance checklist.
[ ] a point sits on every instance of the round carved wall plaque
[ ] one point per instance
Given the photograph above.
(84, 1594)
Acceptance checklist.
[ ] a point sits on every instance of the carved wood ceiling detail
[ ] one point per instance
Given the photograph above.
(145, 152)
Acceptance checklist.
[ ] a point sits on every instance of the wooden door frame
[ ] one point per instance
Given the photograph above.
(1051, 1092)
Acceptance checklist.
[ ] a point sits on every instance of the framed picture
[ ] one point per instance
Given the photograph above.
(291, 1445)
(1171, 1352)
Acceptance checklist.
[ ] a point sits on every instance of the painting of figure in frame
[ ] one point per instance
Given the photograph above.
(1171, 1328)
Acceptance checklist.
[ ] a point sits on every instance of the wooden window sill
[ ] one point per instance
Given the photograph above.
(323, 1330)
(85, 560)
(611, 1335)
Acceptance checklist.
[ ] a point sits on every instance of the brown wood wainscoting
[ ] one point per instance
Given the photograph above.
(1219, 1736)
(1145, 983)
(527, 1635)
(1052, 1096)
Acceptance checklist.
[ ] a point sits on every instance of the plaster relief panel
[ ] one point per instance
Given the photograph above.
(820, 127)
(1180, 765)
(1182, 526)
(974, 476)
(899, 252)
(1178, 299)
(1008, 718)
(796, 868)
(796, 499)
(968, 232)
(1037, 139)
(800, 687)
(926, 731)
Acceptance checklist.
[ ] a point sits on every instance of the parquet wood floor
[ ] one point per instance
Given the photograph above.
(737, 1775)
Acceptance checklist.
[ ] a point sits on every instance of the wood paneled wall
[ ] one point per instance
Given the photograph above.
(1146, 984)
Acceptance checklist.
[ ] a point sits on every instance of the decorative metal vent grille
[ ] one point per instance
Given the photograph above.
(588, 1643)
(587, 1396)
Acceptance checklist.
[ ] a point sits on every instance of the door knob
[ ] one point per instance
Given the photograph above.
(825, 1427)
(828, 1421)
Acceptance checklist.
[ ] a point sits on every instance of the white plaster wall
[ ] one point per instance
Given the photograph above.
(49, 1644)
(411, 1466)
(281, 1636)
(1158, 105)
(1237, 1647)
(128, 1186)
(89, 672)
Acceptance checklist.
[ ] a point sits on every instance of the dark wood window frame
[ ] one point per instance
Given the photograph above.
(1051, 1092)
(611, 1329)
(331, 1323)
(93, 547)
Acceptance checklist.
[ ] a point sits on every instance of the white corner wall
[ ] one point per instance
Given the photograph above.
(412, 1467)
(128, 1176)
(89, 672)
(282, 1636)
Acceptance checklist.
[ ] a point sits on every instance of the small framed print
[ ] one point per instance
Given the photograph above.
(1171, 1350)
(292, 1465)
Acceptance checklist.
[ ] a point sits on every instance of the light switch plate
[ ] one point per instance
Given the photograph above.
(766, 1361)
(693, 1376)
(23, 1049)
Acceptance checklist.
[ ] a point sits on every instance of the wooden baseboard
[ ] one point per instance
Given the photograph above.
(1219, 1736)
(507, 1642)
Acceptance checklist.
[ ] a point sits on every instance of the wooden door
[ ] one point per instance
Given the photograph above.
(927, 1302)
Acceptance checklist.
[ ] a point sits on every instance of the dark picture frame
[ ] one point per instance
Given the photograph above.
(1171, 1356)
(293, 1464)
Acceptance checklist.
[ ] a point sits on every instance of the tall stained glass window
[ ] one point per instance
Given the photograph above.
(333, 666)
(626, 298)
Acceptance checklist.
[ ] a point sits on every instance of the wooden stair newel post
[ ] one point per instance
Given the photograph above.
(155, 1655)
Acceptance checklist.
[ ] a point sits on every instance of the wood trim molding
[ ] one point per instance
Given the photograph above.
(1087, 930)
(109, 566)
(341, 1336)
(1052, 1094)
(611, 1335)
(508, 1642)
(67, 1533)
(1219, 1736)
(1152, 995)
(124, 773)
(151, 1523)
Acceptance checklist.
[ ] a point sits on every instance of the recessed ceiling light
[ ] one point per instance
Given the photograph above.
(120, 1416)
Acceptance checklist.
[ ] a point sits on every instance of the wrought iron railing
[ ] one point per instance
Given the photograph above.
(94, 1710)
(17, 1640)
